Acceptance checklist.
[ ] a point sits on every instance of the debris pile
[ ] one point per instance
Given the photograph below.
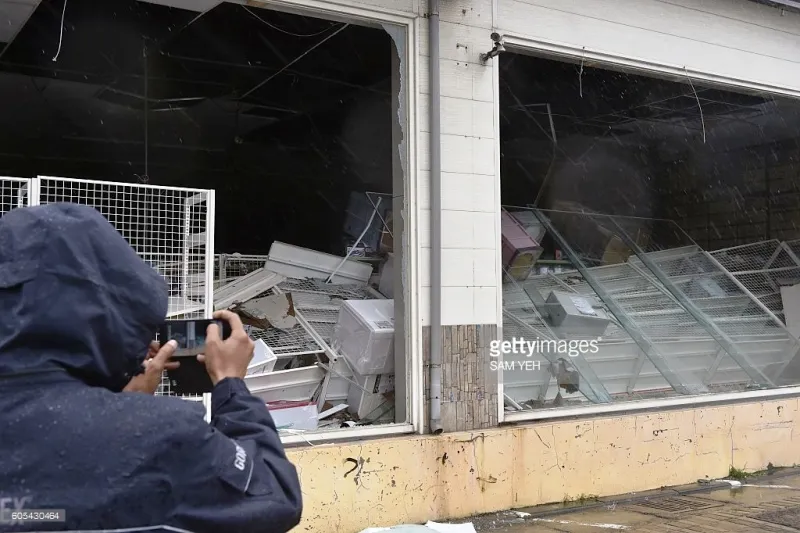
(324, 332)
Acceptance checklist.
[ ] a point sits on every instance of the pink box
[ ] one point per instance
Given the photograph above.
(520, 251)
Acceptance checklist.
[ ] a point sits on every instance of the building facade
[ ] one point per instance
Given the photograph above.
(595, 231)
(482, 464)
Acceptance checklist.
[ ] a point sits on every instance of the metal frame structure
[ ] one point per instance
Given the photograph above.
(160, 238)
(717, 333)
(682, 382)
(409, 24)
(13, 193)
(761, 268)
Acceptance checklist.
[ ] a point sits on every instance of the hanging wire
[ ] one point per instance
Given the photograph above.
(61, 35)
(295, 60)
(700, 107)
(281, 29)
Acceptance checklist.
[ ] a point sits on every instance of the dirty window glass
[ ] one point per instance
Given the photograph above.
(650, 236)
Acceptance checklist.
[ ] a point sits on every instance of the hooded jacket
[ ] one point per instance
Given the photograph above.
(78, 308)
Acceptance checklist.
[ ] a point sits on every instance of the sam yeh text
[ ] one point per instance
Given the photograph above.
(508, 366)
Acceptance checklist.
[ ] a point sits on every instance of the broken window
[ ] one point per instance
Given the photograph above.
(298, 125)
(650, 250)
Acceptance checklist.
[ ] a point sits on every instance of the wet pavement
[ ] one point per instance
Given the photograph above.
(768, 504)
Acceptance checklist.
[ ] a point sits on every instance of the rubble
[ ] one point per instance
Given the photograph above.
(273, 311)
(246, 287)
(293, 308)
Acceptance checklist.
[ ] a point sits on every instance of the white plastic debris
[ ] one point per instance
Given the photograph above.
(451, 528)
(399, 529)
(430, 527)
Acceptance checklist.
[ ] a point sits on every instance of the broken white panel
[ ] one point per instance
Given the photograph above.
(366, 393)
(246, 287)
(339, 385)
(296, 262)
(299, 384)
(272, 310)
(466, 527)
(332, 411)
(264, 359)
(790, 297)
(294, 415)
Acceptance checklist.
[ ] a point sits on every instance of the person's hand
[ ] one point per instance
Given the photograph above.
(155, 363)
(227, 358)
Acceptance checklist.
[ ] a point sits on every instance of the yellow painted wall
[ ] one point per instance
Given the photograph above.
(415, 479)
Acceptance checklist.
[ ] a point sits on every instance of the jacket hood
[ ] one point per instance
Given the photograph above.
(74, 296)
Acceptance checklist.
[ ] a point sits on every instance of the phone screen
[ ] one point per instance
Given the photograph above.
(189, 334)
(191, 377)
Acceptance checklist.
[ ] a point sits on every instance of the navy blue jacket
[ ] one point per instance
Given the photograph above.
(78, 308)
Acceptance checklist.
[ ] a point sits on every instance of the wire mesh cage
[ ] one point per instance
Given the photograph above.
(13, 193)
(170, 228)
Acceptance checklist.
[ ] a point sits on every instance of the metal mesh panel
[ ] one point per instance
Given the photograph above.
(762, 268)
(319, 302)
(794, 247)
(231, 266)
(13, 193)
(285, 343)
(166, 226)
(719, 302)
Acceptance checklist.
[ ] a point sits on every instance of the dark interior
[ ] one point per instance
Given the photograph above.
(283, 115)
(576, 137)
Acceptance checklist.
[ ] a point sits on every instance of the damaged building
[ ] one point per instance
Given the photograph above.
(249, 155)
(492, 253)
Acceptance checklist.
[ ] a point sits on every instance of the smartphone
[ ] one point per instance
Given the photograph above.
(191, 376)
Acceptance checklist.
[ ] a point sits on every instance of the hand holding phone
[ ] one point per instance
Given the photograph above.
(226, 357)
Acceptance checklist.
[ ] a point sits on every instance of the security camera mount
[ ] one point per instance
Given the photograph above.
(496, 50)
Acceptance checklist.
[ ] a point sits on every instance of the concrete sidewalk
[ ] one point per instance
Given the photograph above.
(769, 504)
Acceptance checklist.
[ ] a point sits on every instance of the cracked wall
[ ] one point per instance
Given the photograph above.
(349, 487)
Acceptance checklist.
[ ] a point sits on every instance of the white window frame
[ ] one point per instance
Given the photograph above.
(345, 11)
(554, 50)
